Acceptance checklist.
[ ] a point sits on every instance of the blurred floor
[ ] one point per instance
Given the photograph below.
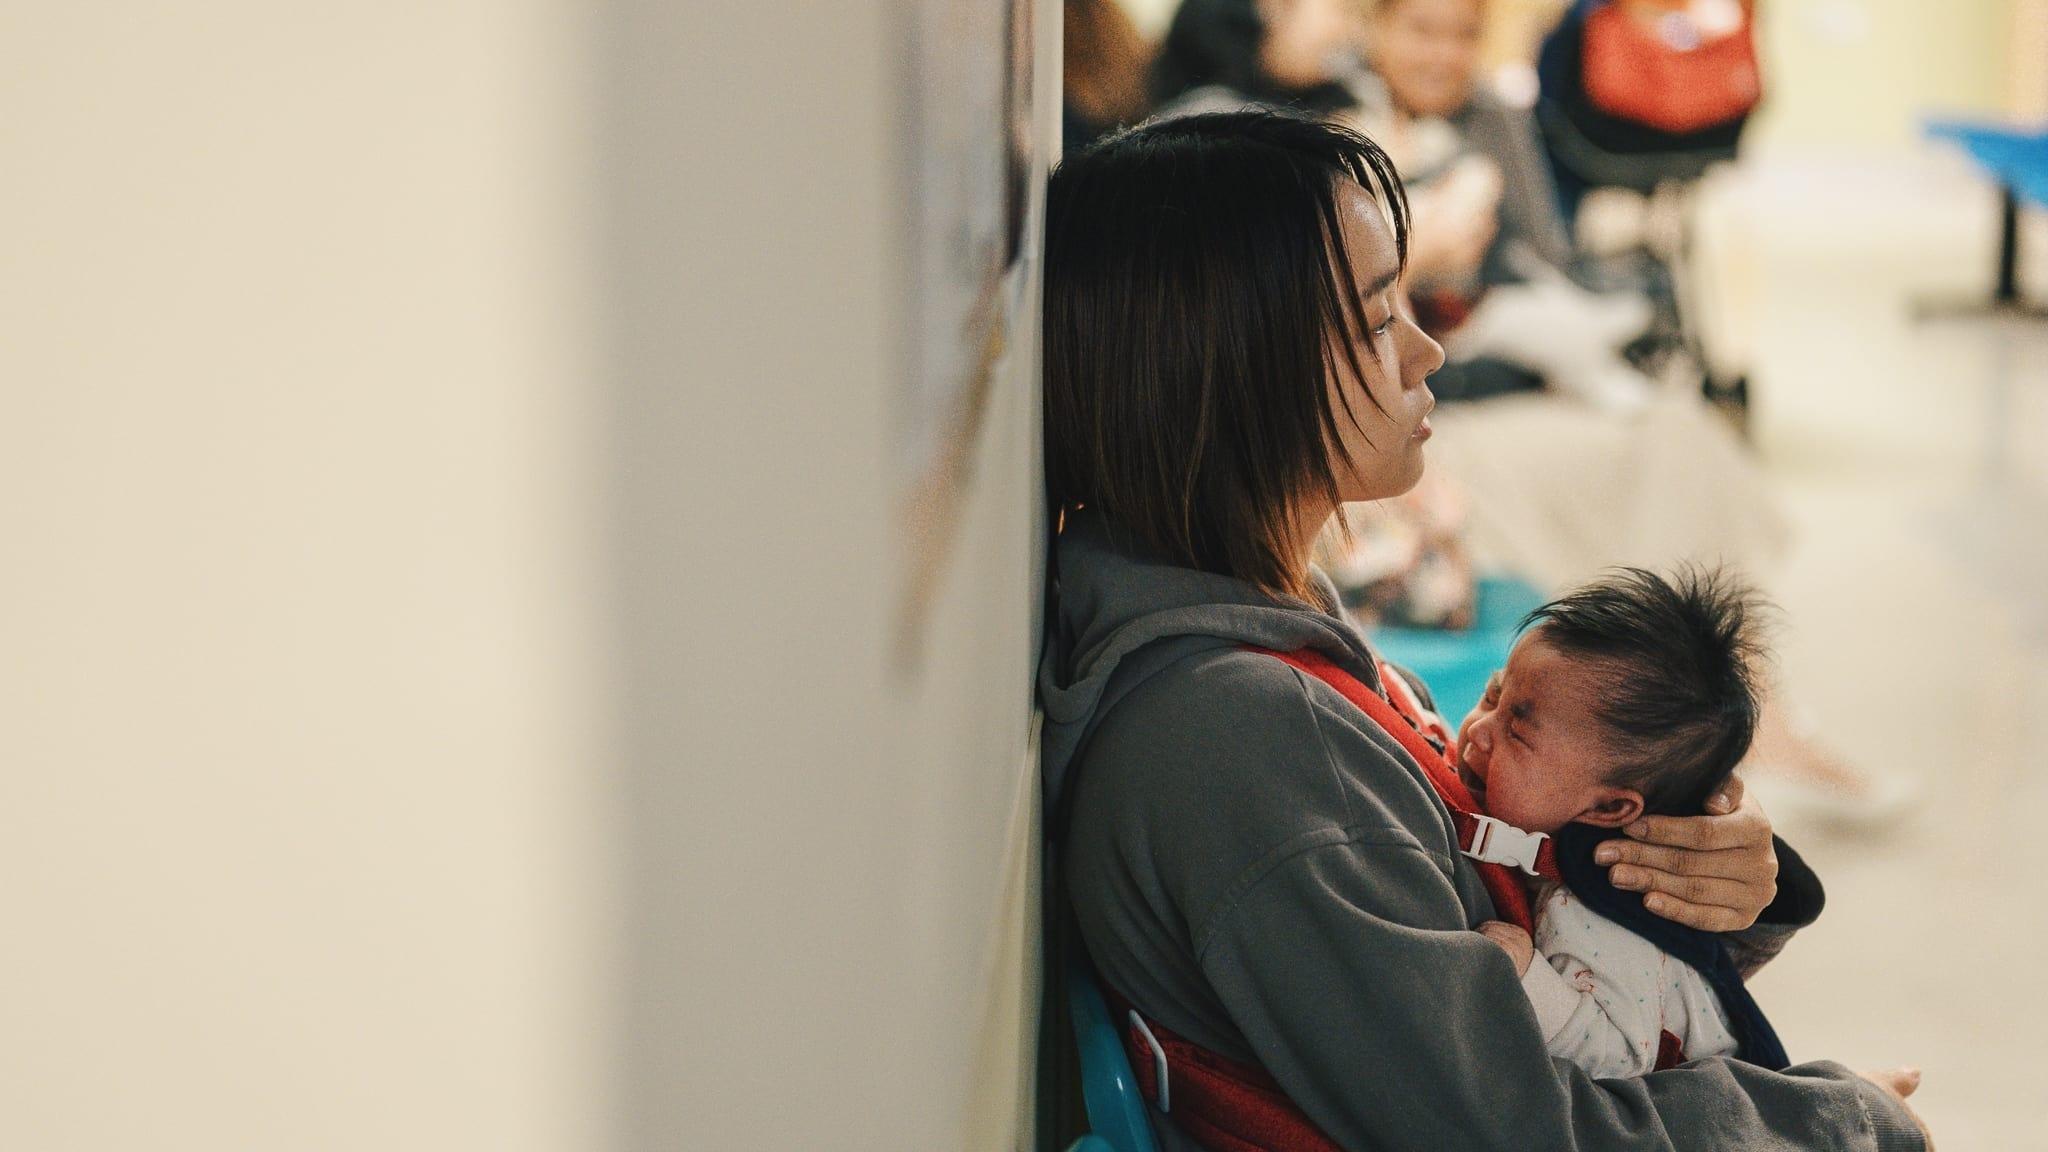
(1914, 460)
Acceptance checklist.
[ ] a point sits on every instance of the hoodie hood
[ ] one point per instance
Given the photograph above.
(1121, 615)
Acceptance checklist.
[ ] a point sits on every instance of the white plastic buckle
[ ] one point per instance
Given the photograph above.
(1158, 1059)
(1499, 842)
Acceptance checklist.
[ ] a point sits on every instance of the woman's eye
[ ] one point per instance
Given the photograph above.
(1385, 326)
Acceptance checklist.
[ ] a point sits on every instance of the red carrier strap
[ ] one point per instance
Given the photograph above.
(1493, 845)
(1227, 1106)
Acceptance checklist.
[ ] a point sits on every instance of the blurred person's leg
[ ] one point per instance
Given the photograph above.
(1560, 490)
(1798, 773)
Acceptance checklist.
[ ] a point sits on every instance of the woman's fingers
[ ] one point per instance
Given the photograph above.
(1731, 894)
(1728, 799)
(1738, 864)
(1740, 828)
(1740, 882)
(1734, 820)
(1716, 873)
(1900, 1082)
(1705, 917)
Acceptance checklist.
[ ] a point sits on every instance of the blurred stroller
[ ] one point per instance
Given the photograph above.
(1647, 96)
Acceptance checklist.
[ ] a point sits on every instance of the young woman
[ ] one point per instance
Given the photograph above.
(1254, 864)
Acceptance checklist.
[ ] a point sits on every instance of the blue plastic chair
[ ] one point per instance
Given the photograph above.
(2016, 157)
(1117, 1111)
(1455, 665)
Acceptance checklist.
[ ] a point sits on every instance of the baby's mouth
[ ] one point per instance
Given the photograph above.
(1473, 784)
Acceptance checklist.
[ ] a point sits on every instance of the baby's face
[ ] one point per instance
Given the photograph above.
(1533, 752)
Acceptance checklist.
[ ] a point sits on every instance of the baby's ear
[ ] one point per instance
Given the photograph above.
(1613, 808)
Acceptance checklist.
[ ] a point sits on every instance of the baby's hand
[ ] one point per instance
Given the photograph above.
(1513, 941)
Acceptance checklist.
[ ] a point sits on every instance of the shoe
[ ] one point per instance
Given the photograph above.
(1851, 802)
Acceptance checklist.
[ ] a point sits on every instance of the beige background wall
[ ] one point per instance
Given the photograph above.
(300, 700)
(1861, 75)
(445, 491)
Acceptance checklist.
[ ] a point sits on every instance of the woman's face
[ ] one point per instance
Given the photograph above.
(1380, 453)
(1302, 38)
(1428, 52)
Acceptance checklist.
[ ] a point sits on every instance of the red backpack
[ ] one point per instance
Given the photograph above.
(1666, 71)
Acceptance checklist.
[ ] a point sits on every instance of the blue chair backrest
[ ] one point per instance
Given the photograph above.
(1456, 665)
(1117, 1112)
(2018, 158)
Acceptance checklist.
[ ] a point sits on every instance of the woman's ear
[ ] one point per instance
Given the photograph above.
(1613, 808)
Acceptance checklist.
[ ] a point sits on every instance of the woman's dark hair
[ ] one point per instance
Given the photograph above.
(1196, 292)
(1217, 42)
(1677, 668)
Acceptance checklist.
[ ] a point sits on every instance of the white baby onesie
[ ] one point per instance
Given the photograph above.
(1605, 996)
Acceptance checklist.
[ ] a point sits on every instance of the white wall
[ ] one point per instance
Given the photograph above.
(833, 864)
(1860, 76)
(300, 700)
(449, 548)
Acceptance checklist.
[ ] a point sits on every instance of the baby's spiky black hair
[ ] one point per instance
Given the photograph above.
(1678, 674)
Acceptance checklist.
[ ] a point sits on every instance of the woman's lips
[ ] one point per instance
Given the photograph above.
(1423, 431)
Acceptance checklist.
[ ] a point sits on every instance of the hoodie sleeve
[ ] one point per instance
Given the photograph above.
(1347, 965)
(1395, 1027)
(1799, 903)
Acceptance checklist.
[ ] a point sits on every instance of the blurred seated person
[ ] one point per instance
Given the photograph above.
(1104, 75)
(1484, 211)
(1491, 246)
(1221, 55)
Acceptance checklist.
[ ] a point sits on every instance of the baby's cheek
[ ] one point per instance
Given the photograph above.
(1512, 800)
(1503, 799)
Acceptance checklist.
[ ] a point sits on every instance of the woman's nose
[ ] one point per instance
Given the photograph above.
(1430, 356)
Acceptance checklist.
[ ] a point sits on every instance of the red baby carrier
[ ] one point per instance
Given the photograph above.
(1230, 1106)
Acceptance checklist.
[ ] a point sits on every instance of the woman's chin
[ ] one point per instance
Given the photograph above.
(1415, 473)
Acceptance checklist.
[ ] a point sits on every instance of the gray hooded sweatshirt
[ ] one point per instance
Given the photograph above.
(1255, 865)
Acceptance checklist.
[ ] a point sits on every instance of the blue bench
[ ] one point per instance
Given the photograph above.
(2018, 161)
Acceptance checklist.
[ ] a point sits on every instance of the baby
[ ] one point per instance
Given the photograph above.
(1634, 694)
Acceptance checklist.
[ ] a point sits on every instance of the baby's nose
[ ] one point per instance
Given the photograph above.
(1480, 737)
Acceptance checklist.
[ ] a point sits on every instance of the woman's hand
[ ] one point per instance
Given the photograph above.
(1716, 872)
(1513, 941)
(1899, 1083)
